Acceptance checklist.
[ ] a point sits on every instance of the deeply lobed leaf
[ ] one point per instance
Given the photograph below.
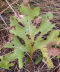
(24, 29)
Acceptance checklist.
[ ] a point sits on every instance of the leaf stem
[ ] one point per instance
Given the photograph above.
(31, 55)
(31, 47)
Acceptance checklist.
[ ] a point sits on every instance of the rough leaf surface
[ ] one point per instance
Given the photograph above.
(25, 30)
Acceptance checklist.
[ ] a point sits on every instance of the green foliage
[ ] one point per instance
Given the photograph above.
(5, 63)
(18, 51)
(25, 30)
(38, 60)
(30, 12)
(58, 56)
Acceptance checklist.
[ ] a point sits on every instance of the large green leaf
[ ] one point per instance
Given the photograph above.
(5, 63)
(46, 58)
(52, 37)
(24, 29)
(18, 52)
(29, 12)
